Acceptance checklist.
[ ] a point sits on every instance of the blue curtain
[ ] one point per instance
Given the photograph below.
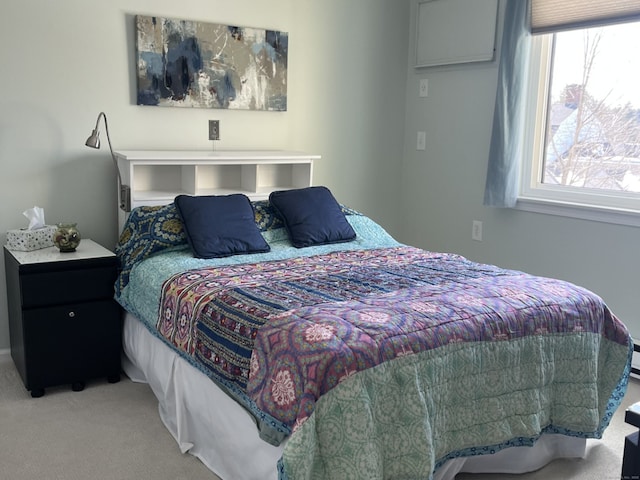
(505, 153)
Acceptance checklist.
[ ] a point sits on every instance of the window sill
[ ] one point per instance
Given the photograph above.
(581, 211)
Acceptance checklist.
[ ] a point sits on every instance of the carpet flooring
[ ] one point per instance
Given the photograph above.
(114, 432)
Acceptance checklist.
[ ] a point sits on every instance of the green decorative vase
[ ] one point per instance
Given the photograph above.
(67, 237)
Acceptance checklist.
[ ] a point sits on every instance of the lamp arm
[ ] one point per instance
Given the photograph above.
(113, 157)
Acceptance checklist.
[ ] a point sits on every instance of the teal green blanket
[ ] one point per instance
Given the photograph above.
(403, 419)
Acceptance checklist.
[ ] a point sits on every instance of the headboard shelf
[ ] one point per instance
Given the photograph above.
(213, 156)
(156, 177)
(158, 197)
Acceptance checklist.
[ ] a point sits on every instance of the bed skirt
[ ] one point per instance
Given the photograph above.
(208, 424)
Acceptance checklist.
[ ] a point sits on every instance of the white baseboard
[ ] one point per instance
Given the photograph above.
(5, 351)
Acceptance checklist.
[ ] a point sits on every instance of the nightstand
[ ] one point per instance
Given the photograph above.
(64, 325)
(631, 457)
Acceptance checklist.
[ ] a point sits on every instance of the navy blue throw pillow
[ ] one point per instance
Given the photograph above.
(220, 225)
(312, 216)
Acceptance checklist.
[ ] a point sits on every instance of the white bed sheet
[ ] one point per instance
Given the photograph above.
(208, 424)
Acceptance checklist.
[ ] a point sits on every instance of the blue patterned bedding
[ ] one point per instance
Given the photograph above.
(471, 358)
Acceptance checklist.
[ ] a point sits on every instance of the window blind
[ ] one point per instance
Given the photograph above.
(553, 15)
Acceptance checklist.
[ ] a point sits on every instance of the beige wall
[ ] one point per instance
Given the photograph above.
(63, 62)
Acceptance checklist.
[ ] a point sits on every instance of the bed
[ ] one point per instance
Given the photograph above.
(327, 349)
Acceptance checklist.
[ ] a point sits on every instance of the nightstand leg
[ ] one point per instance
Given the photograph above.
(113, 378)
(37, 392)
(77, 386)
(631, 458)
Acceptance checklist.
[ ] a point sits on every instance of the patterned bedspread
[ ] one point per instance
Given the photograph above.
(413, 339)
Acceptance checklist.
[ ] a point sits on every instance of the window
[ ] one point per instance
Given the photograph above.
(584, 124)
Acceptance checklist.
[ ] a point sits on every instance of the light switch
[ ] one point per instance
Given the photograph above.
(422, 141)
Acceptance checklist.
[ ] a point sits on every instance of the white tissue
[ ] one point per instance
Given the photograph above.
(36, 217)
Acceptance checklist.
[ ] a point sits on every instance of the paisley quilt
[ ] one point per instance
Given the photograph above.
(386, 362)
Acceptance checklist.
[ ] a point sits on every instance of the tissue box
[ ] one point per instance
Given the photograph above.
(26, 240)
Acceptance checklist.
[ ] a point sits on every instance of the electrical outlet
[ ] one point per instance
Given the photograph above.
(424, 87)
(476, 231)
(214, 129)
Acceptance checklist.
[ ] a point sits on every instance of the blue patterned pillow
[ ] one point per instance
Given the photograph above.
(266, 216)
(148, 230)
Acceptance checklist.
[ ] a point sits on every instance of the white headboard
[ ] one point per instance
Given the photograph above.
(156, 177)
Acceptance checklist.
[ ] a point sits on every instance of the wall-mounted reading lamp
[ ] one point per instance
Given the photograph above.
(94, 142)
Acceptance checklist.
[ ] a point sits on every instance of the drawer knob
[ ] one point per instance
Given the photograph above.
(72, 314)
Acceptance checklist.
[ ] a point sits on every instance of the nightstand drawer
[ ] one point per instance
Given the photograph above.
(71, 343)
(55, 288)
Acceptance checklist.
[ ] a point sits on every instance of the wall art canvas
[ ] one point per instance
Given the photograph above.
(184, 63)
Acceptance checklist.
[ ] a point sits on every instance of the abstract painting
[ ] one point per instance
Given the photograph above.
(184, 63)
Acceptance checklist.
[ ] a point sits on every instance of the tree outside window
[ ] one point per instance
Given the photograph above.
(592, 135)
